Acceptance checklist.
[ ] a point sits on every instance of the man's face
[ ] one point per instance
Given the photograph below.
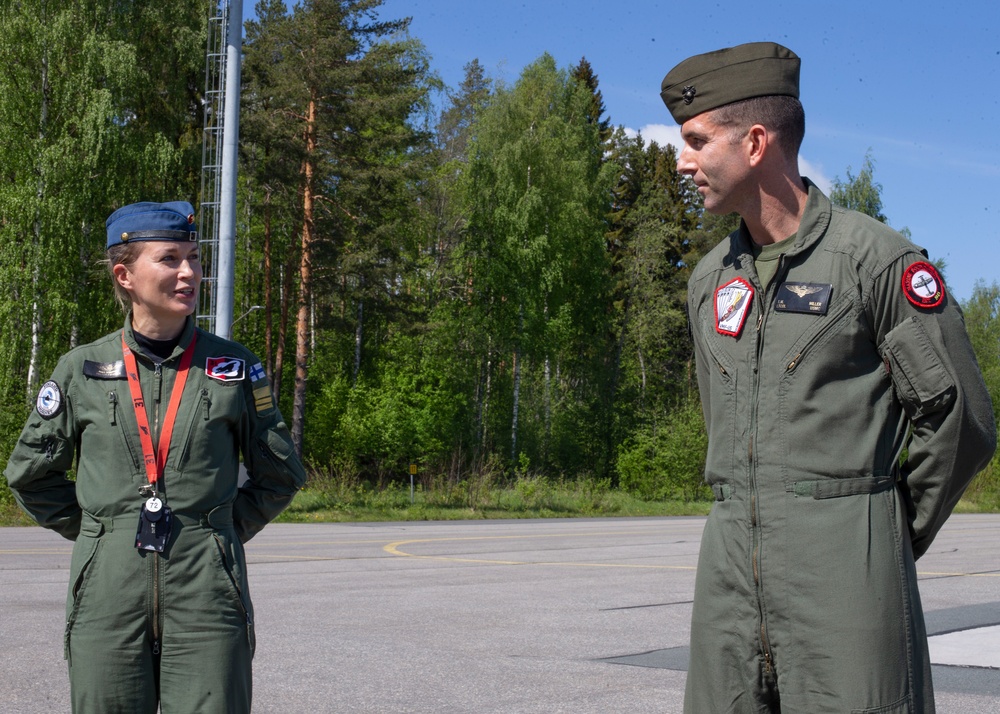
(718, 166)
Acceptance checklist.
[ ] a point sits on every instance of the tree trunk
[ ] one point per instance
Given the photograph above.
(517, 388)
(547, 396)
(305, 283)
(485, 407)
(268, 299)
(358, 333)
(642, 370)
(548, 407)
(279, 352)
(36, 305)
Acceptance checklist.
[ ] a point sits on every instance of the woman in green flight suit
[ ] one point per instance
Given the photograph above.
(156, 417)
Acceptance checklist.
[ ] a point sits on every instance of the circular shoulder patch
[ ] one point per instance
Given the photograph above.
(922, 285)
(49, 400)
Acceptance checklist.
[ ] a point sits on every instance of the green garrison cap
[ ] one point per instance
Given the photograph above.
(705, 82)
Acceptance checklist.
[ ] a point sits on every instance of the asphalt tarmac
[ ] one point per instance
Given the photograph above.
(565, 615)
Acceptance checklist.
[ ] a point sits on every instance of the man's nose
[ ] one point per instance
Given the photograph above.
(685, 164)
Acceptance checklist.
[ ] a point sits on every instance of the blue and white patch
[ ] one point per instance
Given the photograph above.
(49, 401)
(257, 373)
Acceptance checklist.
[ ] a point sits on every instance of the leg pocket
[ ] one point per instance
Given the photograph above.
(81, 567)
(233, 566)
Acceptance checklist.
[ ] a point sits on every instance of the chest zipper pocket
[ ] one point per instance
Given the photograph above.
(204, 408)
(832, 319)
(114, 419)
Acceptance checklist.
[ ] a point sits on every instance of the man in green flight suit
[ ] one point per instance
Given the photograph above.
(826, 347)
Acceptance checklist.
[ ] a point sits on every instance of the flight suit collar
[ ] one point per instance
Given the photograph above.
(814, 224)
(187, 334)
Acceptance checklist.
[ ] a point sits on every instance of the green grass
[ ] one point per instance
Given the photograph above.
(529, 497)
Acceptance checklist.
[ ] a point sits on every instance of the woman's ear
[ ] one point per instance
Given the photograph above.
(122, 275)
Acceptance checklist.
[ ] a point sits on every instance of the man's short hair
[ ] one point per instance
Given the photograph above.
(780, 114)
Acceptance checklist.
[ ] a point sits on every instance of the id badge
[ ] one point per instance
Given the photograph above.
(154, 526)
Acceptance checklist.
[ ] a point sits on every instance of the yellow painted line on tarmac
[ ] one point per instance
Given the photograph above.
(35, 551)
(928, 574)
(273, 557)
(396, 550)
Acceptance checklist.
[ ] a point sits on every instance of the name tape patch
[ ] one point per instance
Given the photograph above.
(104, 370)
(808, 298)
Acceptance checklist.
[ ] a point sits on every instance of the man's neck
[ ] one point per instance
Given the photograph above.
(779, 211)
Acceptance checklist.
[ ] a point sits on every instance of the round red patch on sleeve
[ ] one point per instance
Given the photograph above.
(922, 285)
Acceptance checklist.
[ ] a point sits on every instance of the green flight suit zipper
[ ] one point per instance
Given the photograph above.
(755, 523)
(157, 389)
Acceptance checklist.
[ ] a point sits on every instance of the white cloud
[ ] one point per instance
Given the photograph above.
(815, 174)
(664, 134)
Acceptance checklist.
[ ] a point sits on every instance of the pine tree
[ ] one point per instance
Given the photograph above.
(342, 86)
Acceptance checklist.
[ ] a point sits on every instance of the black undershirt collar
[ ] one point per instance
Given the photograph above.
(158, 350)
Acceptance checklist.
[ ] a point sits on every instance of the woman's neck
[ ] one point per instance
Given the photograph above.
(156, 329)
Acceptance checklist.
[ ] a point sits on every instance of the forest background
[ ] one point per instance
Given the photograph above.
(484, 281)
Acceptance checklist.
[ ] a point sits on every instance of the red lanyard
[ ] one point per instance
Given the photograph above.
(156, 459)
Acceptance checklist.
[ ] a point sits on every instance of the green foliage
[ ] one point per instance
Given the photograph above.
(860, 193)
(982, 320)
(534, 191)
(667, 461)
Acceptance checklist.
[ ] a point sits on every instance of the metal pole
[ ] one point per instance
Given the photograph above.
(227, 199)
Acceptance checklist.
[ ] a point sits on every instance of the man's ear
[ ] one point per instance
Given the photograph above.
(758, 142)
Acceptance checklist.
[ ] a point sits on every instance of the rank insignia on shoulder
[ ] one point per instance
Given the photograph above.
(732, 305)
(262, 399)
(809, 298)
(49, 401)
(225, 369)
(922, 285)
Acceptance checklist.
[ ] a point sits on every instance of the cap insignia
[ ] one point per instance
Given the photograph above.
(688, 93)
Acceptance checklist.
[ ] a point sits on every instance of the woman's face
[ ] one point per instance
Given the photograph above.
(162, 283)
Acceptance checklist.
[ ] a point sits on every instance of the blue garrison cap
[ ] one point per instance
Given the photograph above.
(152, 221)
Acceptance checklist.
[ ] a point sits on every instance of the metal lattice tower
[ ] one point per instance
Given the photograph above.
(211, 162)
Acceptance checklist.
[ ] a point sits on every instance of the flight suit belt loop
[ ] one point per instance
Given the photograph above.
(99, 525)
(722, 491)
(219, 518)
(837, 487)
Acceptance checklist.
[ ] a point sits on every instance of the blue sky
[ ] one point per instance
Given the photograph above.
(917, 83)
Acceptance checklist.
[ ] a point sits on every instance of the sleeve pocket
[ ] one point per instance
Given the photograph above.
(918, 373)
